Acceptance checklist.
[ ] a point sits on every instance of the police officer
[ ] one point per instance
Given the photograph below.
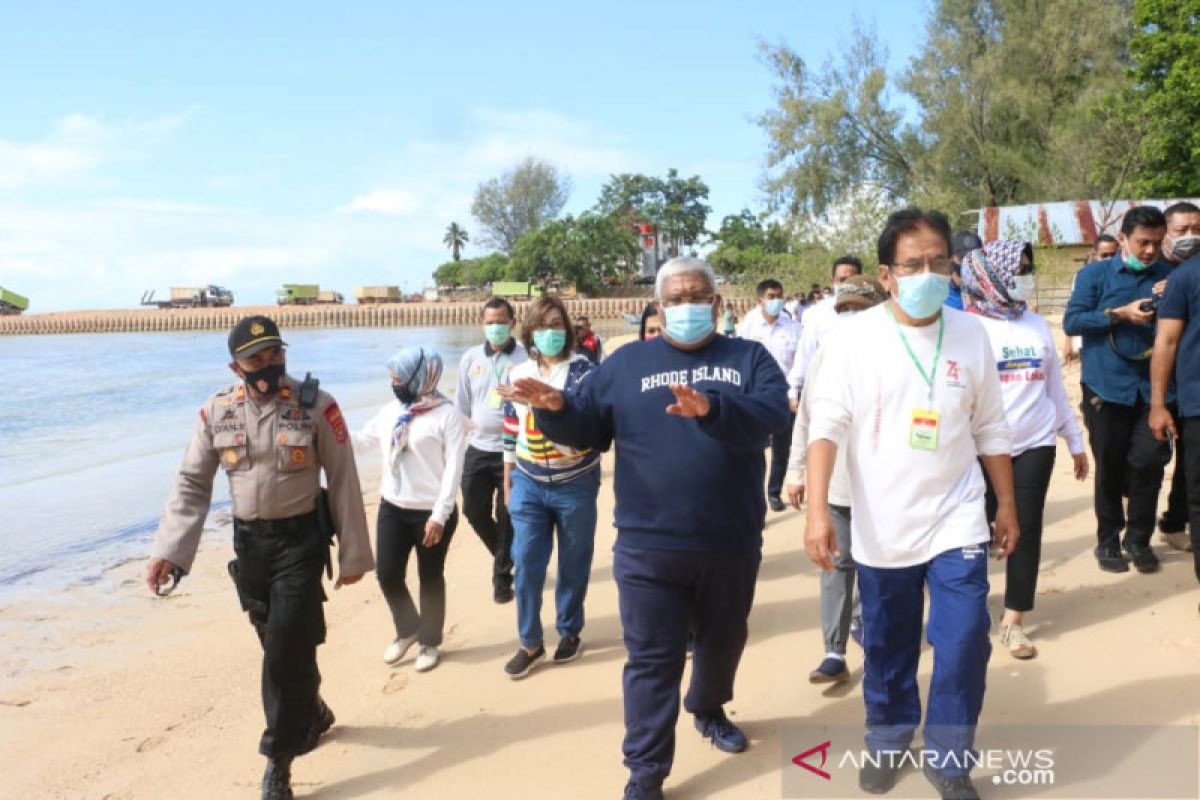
(272, 435)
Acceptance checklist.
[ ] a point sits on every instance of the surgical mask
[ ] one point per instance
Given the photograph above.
(404, 394)
(921, 296)
(1023, 288)
(689, 323)
(1134, 264)
(549, 342)
(1185, 247)
(272, 375)
(773, 306)
(497, 333)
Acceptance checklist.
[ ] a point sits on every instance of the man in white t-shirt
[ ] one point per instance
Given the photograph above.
(910, 390)
(768, 324)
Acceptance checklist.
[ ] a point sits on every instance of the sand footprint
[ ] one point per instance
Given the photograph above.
(150, 743)
(396, 683)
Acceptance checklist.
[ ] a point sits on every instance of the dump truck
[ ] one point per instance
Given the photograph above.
(191, 297)
(515, 289)
(298, 294)
(11, 302)
(378, 294)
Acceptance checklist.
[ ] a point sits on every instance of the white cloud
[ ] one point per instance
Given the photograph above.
(396, 202)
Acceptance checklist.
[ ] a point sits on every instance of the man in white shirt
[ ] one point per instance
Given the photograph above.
(819, 319)
(768, 324)
(910, 390)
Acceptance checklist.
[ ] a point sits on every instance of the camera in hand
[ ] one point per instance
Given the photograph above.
(1149, 306)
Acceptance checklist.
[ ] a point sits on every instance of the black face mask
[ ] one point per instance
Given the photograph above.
(271, 374)
(404, 394)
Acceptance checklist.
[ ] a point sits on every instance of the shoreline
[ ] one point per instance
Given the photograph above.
(315, 316)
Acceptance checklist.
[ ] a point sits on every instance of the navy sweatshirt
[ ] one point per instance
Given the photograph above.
(681, 484)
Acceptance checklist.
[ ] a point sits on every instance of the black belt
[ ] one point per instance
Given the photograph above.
(278, 527)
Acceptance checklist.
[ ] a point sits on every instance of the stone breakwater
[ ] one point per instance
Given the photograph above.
(343, 316)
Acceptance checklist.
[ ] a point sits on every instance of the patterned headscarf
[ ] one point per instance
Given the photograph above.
(987, 274)
(420, 370)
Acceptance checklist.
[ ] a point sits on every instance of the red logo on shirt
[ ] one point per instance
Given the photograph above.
(951, 370)
(333, 415)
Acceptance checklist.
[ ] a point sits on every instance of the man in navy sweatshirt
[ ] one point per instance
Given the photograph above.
(691, 413)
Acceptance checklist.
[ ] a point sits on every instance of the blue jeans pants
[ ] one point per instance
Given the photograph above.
(892, 603)
(538, 510)
(661, 593)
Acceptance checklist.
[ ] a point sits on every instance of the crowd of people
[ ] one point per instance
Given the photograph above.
(913, 415)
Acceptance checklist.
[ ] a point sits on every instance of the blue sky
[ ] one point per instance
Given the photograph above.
(145, 145)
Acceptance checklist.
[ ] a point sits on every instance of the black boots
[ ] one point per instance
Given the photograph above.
(277, 780)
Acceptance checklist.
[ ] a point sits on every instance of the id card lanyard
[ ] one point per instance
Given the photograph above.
(500, 371)
(925, 422)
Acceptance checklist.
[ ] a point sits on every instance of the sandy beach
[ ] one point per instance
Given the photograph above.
(112, 693)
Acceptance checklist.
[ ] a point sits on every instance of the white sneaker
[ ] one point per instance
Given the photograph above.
(427, 659)
(1014, 639)
(396, 650)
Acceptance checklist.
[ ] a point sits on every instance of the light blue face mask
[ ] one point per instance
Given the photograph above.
(773, 306)
(549, 342)
(921, 296)
(689, 323)
(496, 333)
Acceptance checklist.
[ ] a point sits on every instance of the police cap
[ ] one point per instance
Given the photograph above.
(253, 334)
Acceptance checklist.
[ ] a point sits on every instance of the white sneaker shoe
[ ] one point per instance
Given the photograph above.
(1014, 639)
(396, 650)
(1180, 541)
(427, 659)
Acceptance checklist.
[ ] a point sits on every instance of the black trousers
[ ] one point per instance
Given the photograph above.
(1031, 481)
(1120, 436)
(400, 531)
(1190, 442)
(483, 506)
(781, 449)
(279, 584)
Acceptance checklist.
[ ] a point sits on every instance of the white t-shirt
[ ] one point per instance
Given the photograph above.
(432, 464)
(839, 482)
(910, 504)
(1035, 399)
(817, 322)
(780, 338)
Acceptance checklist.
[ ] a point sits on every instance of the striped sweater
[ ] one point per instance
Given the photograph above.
(527, 447)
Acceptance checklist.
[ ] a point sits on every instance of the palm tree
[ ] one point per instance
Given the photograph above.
(455, 238)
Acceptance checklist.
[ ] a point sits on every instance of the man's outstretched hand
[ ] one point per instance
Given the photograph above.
(533, 393)
(688, 402)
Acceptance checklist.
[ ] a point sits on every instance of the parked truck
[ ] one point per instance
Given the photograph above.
(11, 302)
(378, 294)
(191, 297)
(306, 294)
(517, 289)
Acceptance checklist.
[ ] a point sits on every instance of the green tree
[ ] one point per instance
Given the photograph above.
(521, 200)
(836, 129)
(583, 250)
(456, 238)
(1166, 52)
(448, 274)
(675, 205)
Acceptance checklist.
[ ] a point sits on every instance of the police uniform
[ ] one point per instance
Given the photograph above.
(272, 452)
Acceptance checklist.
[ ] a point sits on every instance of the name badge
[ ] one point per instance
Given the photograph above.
(923, 431)
(494, 399)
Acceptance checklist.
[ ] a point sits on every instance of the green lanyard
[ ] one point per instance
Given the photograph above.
(937, 354)
(500, 368)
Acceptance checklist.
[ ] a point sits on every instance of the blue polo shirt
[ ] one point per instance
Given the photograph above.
(1182, 301)
(1112, 367)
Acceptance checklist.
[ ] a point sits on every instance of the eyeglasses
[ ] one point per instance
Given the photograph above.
(939, 265)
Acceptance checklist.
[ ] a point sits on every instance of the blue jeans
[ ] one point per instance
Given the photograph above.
(537, 510)
(892, 604)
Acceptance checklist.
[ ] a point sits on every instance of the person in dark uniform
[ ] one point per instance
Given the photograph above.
(272, 435)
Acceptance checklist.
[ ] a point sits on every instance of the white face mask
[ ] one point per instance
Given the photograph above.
(1023, 289)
